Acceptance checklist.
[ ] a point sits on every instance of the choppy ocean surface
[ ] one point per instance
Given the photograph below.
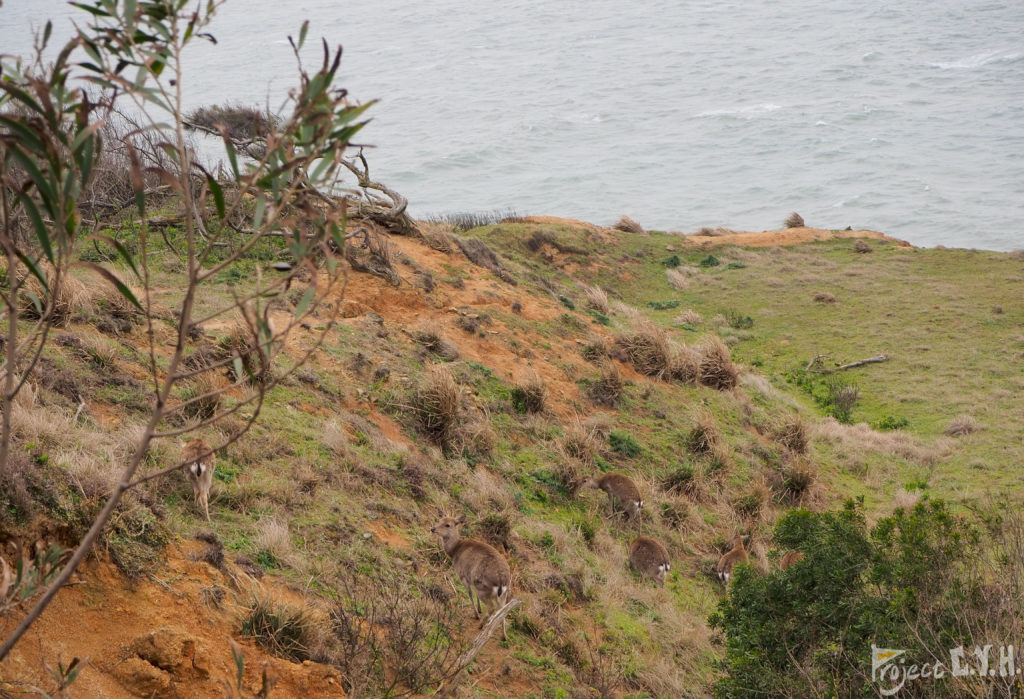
(902, 117)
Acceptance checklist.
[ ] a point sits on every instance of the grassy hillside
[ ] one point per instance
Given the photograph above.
(490, 383)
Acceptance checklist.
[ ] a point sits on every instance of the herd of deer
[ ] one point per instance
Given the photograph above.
(483, 570)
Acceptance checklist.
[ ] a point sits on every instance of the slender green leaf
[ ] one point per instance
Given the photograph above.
(34, 269)
(112, 278)
(307, 298)
(302, 33)
(42, 232)
(218, 195)
(121, 250)
(257, 217)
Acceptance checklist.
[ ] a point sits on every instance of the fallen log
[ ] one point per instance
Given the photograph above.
(815, 366)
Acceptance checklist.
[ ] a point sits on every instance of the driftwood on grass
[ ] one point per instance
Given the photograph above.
(496, 620)
(370, 252)
(387, 210)
(817, 365)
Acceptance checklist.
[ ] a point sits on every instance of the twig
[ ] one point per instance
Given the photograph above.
(496, 620)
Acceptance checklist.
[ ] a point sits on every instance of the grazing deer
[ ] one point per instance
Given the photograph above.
(620, 489)
(199, 471)
(789, 559)
(649, 557)
(483, 571)
(733, 557)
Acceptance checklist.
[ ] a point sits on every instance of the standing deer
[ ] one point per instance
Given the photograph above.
(790, 559)
(622, 490)
(733, 557)
(483, 571)
(649, 557)
(199, 469)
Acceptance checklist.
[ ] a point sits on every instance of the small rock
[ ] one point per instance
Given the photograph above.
(142, 679)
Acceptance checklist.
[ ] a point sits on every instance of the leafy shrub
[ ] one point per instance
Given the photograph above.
(624, 443)
(567, 302)
(809, 630)
(672, 262)
(892, 422)
(710, 261)
(662, 305)
(735, 265)
(738, 320)
(599, 317)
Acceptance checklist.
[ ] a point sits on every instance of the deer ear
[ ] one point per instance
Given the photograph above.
(461, 520)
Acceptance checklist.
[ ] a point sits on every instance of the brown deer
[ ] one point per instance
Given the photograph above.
(789, 559)
(649, 557)
(199, 462)
(731, 558)
(622, 490)
(483, 571)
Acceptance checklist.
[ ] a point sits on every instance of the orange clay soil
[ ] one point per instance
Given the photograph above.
(157, 637)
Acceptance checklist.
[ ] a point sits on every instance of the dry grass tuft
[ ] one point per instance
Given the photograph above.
(435, 404)
(431, 336)
(704, 436)
(824, 297)
(689, 317)
(860, 437)
(798, 478)
(863, 247)
(962, 425)
(335, 438)
(597, 299)
(906, 499)
(794, 220)
(72, 296)
(581, 444)
(648, 348)
(607, 388)
(679, 277)
(792, 433)
(684, 364)
(716, 367)
(530, 395)
(628, 225)
(436, 237)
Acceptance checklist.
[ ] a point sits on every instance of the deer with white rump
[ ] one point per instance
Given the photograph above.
(199, 464)
(622, 491)
(483, 571)
(733, 557)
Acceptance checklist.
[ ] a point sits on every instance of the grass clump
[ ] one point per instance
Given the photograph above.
(716, 369)
(793, 434)
(798, 477)
(710, 261)
(672, 262)
(597, 299)
(647, 347)
(624, 443)
(863, 247)
(962, 425)
(431, 337)
(628, 225)
(283, 630)
(608, 387)
(794, 220)
(704, 437)
(436, 404)
(529, 396)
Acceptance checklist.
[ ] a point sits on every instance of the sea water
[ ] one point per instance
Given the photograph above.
(902, 117)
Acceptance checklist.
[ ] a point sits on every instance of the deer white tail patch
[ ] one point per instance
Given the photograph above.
(639, 504)
(197, 469)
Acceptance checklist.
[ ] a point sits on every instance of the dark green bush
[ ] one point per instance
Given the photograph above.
(710, 261)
